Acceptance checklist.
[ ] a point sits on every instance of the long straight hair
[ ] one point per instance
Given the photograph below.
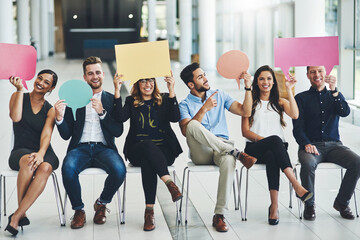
(139, 100)
(274, 95)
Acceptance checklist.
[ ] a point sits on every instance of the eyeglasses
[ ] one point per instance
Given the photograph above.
(144, 81)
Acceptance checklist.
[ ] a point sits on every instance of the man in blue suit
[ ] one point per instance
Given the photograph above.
(92, 144)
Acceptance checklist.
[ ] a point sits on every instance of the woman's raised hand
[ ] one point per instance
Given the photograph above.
(117, 84)
(170, 82)
(17, 82)
(290, 83)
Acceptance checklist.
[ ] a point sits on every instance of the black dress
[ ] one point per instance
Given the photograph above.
(27, 134)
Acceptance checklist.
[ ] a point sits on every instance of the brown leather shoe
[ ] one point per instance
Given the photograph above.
(219, 223)
(78, 220)
(100, 210)
(344, 210)
(174, 190)
(246, 160)
(149, 220)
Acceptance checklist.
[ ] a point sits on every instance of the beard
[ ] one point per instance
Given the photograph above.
(201, 89)
(95, 85)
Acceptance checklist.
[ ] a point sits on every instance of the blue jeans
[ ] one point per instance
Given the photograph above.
(92, 155)
(334, 152)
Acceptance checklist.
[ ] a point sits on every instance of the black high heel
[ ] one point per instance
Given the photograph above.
(10, 229)
(306, 196)
(24, 222)
(273, 221)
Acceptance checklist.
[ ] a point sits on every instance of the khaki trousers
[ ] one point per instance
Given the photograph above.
(208, 149)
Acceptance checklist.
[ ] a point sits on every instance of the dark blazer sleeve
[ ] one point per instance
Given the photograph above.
(66, 127)
(122, 114)
(171, 108)
(110, 123)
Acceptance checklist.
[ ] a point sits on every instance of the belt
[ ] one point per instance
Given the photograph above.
(91, 143)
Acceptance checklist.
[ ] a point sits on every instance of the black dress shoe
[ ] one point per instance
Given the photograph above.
(10, 229)
(273, 221)
(24, 222)
(305, 197)
(344, 210)
(309, 213)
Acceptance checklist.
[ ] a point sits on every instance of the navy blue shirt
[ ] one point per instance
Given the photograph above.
(319, 114)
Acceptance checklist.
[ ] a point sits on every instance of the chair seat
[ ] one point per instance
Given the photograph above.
(202, 168)
(9, 173)
(93, 171)
(132, 169)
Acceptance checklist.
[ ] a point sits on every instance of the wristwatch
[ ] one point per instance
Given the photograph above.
(334, 91)
(247, 89)
(102, 113)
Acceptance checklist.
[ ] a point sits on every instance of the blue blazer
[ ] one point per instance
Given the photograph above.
(110, 127)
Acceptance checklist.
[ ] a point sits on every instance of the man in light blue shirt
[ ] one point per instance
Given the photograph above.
(203, 123)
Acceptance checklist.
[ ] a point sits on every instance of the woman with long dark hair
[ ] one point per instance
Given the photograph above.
(265, 137)
(33, 123)
(151, 143)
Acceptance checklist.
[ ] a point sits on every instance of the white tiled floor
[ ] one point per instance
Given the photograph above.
(45, 223)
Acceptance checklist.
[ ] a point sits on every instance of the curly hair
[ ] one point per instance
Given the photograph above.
(139, 100)
(274, 95)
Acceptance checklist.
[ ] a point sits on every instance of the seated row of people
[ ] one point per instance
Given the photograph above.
(152, 144)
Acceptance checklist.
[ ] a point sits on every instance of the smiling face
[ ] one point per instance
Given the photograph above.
(94, 76)
(43, 83)
(146, 87)
(265, 81)
(200, 82)
(316, 75)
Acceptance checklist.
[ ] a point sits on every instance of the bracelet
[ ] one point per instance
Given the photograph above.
(247, 89)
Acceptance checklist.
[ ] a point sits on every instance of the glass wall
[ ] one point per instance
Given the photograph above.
(331, 24)
(357, 52)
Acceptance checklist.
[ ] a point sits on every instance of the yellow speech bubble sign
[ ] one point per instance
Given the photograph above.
(143, 60)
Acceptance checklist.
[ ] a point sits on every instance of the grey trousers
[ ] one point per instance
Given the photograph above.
(207, 149)
(334, 152)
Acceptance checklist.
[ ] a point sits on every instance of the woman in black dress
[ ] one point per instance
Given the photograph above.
(33, 123)
(151, 143)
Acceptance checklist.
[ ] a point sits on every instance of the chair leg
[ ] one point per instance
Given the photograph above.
(298, 200)
(246, 192)
(1, 177)
(4, 186)
(239, 194)
(119, 204)
(234, 190)
(187, 195)
(178, 217)
(123, 203)
(182, 188)
(59, 204)
(356, 207)
(65, 201)
(291, 194)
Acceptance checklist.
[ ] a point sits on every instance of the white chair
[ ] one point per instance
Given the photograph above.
(327, 166)
(191, 167)
(94, 171)
(12, 173)
(255, 167)
(131, 169)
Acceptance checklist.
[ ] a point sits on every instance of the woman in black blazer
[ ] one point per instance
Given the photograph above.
(151, 143)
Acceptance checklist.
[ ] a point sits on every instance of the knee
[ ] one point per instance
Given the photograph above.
(191, 126)
(119, 172)
(24, 161)
(276, 141)
(227, 164)
(68, 169)
(308, 164)
(44, 169)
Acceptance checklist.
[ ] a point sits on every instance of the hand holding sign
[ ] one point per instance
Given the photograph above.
(17, 60)
(76, 94)
(232, 64)
(310, 51)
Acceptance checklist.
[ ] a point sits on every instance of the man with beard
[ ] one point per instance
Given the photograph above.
(92, 143)
(317, 133)
(203, 124)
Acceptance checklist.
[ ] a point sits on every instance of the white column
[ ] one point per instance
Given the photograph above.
(151, 20)
(171, 21)
(44, 26)
(207, 34)
(313, 26)
(35, 25)
(6, 22)
(51, 27)
(23, 19)
(185, 15)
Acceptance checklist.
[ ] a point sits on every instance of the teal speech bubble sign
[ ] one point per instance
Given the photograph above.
(76, 93)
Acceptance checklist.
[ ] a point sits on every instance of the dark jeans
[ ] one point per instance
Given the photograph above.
(334, 152)
(272, 152)
(92, 155)
(153, 161)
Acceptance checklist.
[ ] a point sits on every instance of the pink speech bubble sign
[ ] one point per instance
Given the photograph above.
(307, 51)
(17, 60)
(232, 63)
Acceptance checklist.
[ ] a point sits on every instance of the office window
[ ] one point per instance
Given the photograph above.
(357, 52)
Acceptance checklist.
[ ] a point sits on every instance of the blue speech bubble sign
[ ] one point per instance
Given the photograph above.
(76, 93)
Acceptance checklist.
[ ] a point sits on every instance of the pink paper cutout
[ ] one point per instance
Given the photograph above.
(17, 60)
(307, 51)
(232, 63)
